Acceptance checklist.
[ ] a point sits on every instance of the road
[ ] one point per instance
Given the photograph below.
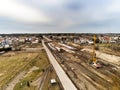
(65, 80)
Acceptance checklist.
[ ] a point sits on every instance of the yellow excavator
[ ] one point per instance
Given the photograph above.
(97, 65)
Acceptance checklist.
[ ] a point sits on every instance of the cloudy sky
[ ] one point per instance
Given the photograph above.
(42, 16)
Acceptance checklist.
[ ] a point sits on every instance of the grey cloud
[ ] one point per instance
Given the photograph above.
(71, 16)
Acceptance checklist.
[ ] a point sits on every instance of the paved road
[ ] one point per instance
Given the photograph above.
(65, 80)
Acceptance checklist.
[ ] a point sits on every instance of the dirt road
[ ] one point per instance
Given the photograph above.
(12, 84)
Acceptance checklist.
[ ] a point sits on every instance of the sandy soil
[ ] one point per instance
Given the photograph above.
(109, 58)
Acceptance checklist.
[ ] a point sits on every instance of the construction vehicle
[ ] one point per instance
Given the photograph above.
(95, 63)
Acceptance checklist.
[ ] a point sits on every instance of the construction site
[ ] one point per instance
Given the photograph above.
(59, 45)
(61, 62)
(88, 66)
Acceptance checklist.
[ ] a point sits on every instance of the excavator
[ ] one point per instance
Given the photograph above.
(95, 63)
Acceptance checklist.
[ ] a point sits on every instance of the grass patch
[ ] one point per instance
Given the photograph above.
(11, 66)
(26, 83)
(42, 63)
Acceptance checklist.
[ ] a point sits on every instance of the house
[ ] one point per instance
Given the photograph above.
(90, 42)
(105, 39)
(34, 40)
(21, 40)
(83, 41)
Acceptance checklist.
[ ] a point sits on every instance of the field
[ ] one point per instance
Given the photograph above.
(25, 70)
(11, 64)
(34, 73)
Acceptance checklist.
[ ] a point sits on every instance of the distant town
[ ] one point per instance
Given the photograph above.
(12, 40)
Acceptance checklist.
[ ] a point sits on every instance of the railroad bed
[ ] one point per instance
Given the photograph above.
(102, 78)
(107, 77)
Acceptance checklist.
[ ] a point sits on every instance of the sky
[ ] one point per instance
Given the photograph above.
(59, 16)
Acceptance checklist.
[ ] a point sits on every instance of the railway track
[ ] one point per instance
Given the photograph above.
(90, 73)
(63, 77)
(86, 74)
(98, 77)
(95, 79)
(81, 70)
(102, 78)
